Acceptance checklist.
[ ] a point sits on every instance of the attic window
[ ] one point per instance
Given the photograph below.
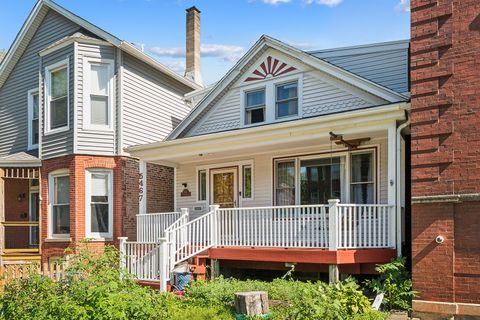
(255, 107)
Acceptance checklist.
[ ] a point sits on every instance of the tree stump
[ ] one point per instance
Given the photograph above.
(251, 303)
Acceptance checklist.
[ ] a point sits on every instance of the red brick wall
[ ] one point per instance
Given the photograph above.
(125, 194)
(445, 86)
(77, 166)
(160, 184)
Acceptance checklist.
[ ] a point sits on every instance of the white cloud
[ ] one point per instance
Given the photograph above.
(222, 51)
(329, 3)
(275, 2)
(178, 66)
(403, 5)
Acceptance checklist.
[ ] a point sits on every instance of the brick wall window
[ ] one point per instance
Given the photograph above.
(59, 209)
(99, 204)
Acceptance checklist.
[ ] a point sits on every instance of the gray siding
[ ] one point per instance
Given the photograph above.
(152, 105)
(321, 95)
(225, 116)
(387, 68)
(93, 141)
(24, 77)
(59, 144)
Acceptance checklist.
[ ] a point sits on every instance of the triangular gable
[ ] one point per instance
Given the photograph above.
(33, 22)
(262, 71)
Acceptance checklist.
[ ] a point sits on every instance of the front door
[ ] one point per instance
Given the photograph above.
(224, 187)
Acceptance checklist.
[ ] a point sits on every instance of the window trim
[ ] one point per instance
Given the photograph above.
(48, 77)
(270, 99)
(51, 188)
(87, 125)
(88, 210)
(375, 159)
(30, 94)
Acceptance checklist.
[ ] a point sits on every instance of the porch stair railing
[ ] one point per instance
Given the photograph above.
(330, 227)
(152, 226)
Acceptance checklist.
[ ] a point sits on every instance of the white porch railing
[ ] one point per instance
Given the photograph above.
(333, 226)
(151, 226)
(284, 227)
(141, 259)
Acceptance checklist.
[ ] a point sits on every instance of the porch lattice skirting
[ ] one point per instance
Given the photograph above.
(167, 239)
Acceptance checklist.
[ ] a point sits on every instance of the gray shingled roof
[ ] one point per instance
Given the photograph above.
(20, 159)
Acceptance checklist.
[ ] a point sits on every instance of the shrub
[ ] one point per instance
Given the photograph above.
(394, 281)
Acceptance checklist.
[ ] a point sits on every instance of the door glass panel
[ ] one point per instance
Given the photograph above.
(224, 189)
(320, 180)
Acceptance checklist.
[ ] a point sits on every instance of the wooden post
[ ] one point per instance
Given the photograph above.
(123, 257)
(332, 224)
(163, 264)
(333, 273)
(251, 303)
(214, 268)
(213, 224)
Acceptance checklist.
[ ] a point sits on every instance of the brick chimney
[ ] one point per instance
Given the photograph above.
(192, 70)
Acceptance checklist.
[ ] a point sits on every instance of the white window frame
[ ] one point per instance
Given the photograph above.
(264, 106)
(198, 185)
(242, 176)
(51, 190)
(31, 93)
(48, 77)
(270, 99)
(87, 62)
(88, 210)
(375, 168)
(297, 98)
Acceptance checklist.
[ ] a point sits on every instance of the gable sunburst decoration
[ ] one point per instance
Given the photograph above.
(271, 67)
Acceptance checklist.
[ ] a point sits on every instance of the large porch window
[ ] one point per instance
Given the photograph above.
(306, 180)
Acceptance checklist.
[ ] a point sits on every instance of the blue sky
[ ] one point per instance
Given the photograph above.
(229, 27)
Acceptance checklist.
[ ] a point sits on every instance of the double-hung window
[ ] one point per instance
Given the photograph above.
(33, 104)
(286, 100)
(255, 106)
(99, 204)
(362, 183)
(59, 197)
(98, 94)
(57, 105)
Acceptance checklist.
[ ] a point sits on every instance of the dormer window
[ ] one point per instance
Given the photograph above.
(255, 107)
(272, 100)
(286, 103)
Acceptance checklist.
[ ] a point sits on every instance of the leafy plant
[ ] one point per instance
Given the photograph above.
(394, 281)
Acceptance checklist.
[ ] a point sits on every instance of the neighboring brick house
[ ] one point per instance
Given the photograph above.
(445, 84)
(72, 98)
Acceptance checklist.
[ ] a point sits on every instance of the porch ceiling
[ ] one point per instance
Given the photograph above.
(371, 123)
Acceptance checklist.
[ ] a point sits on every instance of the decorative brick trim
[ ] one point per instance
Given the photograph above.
(446, 308)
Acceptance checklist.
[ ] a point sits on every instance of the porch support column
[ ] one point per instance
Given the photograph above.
(333, 273)
(214, 268)
(2, 213)
(142, 206)
(392, 160)
(392, 177)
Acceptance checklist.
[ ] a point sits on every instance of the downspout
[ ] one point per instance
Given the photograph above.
(398, 207)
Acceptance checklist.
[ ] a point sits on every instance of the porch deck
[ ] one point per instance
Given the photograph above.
(332, 234)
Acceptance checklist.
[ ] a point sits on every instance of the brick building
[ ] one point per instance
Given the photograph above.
(445, 86)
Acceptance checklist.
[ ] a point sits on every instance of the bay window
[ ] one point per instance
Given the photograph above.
(99, 204)
(56, 102)
(98, 94)
(59, 209)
